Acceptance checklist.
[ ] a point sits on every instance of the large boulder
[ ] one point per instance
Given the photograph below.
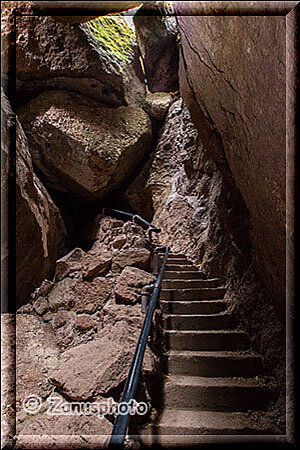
(97, 59)
(233, 83)
(40, 231)
(107, 358)
(81, 146)
(157, 104)
(157, 36)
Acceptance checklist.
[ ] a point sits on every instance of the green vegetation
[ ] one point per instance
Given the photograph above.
(168, 7)
(114, 33)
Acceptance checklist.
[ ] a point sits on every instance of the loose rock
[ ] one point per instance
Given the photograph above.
(69, 263)
(137, 257)
(106, 358)
(130, 283)
(157, 104)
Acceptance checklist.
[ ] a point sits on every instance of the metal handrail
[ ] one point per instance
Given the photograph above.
(135, 217)
(121, 422)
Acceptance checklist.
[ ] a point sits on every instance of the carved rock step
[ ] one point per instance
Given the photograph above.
(191, 284)
(218, 394)
(194, 307)
(186, 422)
(176, 255)
(197, 321)
(183, 275)
(193, 294)
(212, 364)
(180, 267)
(179, 261)
(206, 340)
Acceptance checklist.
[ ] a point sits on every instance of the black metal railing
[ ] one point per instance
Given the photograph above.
(135, 218)
(121, 421)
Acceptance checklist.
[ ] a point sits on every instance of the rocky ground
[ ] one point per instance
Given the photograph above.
(77, 335)
(205, 165)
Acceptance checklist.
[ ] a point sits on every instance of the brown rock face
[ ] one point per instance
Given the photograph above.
(8, 380)
(157, 39)
(137, 257)
(84, 323)
(53, 55)
(51, 429)
(192, 204)
(76, 317)
(85, 282)
(6, 141)
(46, 431)
(233, 82)
(107, 359)
(157, 104)
(202, 215)
(130, 283)
(91, 296)
(36, 354)
(69, 263)
(40, 231)
(96, 265)
(81, 146)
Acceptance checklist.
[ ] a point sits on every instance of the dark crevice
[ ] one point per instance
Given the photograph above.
(78, 213)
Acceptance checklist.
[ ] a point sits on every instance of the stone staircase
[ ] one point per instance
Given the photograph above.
(213, 382)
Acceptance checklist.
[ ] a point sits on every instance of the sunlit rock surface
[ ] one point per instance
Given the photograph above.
(97, 59)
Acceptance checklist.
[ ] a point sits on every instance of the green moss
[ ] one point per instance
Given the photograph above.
(168, 6)
(114, 33)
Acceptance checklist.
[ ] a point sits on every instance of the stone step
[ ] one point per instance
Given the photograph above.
(194, 307)
(197, 321)
(176, 255)
(212, 364)
(206, 340)
(218, 394)
(180, 267)
(183, 275)
(193, 294)
(179, 261)
(184, 423)
(191, 284)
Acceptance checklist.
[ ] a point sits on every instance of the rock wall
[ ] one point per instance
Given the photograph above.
(40, 231)
(192, 202)
(158, 44)
(232, 78)
(215, 184)
(203, 216)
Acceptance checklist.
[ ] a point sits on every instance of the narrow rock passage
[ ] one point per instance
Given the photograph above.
(213, 380)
